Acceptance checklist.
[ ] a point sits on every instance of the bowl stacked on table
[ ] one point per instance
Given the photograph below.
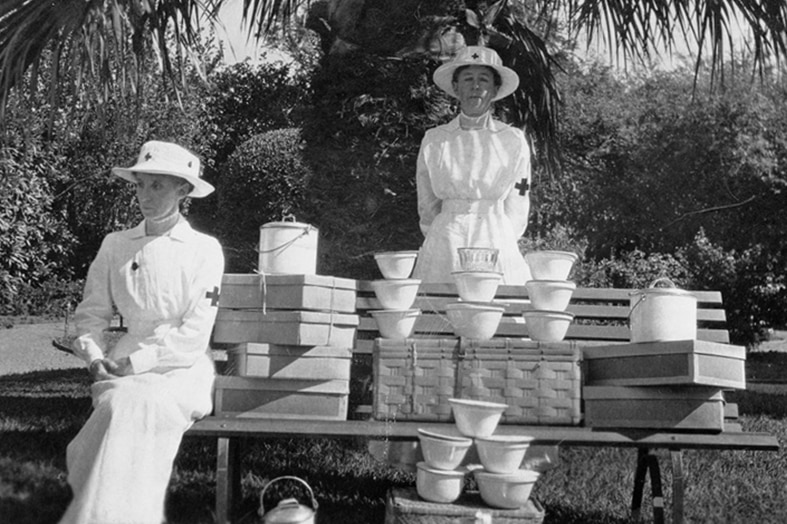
(550, 292)
(476, 316)
(396, 293)
(501, 482)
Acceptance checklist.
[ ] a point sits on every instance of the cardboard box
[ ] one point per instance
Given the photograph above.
(252, 397)
(674, 408)
(414, 378)
(291, 292)
(294, 362)
(294, 328)
(404, 506)
(682, 362)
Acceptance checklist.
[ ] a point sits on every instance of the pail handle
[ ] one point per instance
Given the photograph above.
(666, 280)
(286, 477)
(306, 230)
(653, 284)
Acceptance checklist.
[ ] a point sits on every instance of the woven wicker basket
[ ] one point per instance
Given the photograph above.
(540, 382)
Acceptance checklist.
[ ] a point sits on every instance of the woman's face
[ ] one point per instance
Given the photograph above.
(158, 196)
(475, 87)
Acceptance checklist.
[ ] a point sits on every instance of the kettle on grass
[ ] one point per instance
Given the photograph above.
(289, 510)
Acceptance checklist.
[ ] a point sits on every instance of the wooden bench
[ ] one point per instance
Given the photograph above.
(601, 317)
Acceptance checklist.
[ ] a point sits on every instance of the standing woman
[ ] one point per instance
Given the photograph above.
(163, 277)
(473, 173)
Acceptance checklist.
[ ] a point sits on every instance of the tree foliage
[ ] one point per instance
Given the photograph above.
(653, 170)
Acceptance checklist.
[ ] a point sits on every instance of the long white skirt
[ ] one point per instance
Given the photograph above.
(120, 463)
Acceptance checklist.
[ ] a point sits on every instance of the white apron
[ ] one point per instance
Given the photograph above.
(473, 191)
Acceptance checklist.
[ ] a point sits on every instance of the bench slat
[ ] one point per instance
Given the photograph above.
(596, 311)
(566, 435)
(581, 293)
(438, 326)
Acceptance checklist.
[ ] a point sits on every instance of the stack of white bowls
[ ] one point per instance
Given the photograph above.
(439, 477)
(501, 482)
(396, 293)
(550, 292)
(476, 316)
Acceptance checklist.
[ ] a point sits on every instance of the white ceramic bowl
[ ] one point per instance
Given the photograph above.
(443, 451)
(439, 485)
(395, 323)
(547, 326)
(506, 490)
(476, 418)
(550, 265)
(477, 286)
(552, 295)
(502, 453)
(477, 258)
(474, 320)
(396, 264)
(396, 294)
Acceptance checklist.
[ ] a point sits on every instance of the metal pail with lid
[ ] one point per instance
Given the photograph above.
(289, 510)
(662, 313)
(288, 247)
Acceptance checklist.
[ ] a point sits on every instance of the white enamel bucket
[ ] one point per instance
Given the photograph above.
(662, 313)
(288, 248)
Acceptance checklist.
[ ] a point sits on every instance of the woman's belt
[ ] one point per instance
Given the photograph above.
(146, 327)
(473, 207)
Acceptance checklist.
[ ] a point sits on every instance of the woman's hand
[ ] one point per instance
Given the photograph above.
(106, 369)
(99, 371)
(122, 367)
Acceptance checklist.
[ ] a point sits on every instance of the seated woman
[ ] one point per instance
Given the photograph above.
(473, 173)
(163, 277)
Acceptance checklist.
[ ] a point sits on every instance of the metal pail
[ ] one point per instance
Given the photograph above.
(288, 248)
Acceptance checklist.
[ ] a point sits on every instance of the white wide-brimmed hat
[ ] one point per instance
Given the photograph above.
(479, 56)
(166, 158)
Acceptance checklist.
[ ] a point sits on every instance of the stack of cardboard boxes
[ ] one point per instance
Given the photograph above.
(676, 384)
(289, 342)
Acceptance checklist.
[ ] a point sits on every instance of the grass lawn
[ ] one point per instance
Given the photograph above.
(40, 412)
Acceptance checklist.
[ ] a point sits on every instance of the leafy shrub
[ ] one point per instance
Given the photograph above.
(52, 298)
(33, 239)
(752, 282)
(263, 181)
(752, 285)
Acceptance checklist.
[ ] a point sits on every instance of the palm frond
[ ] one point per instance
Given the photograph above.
(268, 13)
(635, 29)
(536, 103)
(102, 39)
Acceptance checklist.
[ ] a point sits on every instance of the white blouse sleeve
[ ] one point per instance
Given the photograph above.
(94, 314)
(517, 202)
(429, 205)
(181, 345)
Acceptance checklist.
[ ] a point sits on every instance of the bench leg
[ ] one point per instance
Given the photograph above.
(639, 483)
(677, 486)
(647, 463)
(227, 478)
